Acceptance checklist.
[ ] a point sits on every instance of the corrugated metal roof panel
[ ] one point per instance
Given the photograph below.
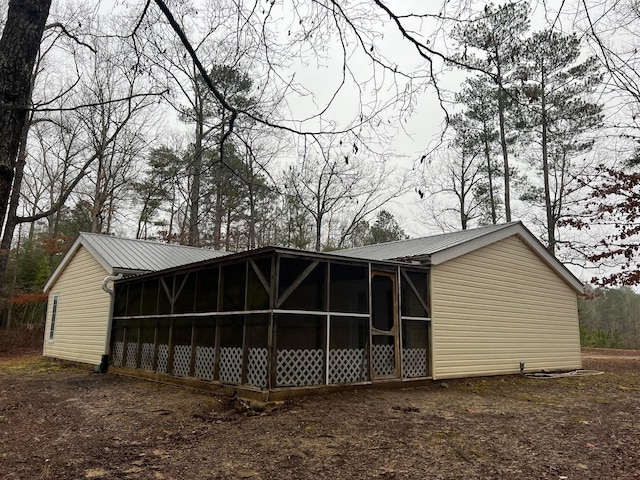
(419, 247)
(142, 255)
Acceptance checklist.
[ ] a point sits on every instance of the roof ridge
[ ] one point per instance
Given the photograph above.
(497, 226)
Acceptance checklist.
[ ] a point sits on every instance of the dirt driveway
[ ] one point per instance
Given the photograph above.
(60, 421)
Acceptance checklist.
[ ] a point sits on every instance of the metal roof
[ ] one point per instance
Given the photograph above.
(420, 247)
(441, 248)
(128, 256)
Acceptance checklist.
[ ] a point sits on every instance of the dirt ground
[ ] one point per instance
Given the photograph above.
(61, 421)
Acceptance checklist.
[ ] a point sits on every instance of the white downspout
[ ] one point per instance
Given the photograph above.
(104, 363)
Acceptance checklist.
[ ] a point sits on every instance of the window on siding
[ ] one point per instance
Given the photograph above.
(54, 314)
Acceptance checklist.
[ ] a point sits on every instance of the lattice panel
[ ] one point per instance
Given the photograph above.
(146, 359)
(231, 365)
(132, 353)
(300, 367)
(347, 365)
(163, 356)
(257, 367)
(116, 355)
(181, 360)
(414, 362)
(383, 359)
(205, 362)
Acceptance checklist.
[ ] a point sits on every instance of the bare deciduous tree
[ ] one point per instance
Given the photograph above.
(338, 190)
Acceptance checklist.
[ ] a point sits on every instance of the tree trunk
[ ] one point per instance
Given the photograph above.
(503, 137)
(252, 220)
(14, 200)
(551, 227)
(505, 155)
(194, 195)
(18, 52)
(462, 194)
(487, 155)
(318, 244)
(217, 219)
(172, 210)
(227, 236)
(252, 208)
(98, 202)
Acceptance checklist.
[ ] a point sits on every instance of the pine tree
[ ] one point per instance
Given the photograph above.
(480, 118)
(492, 43)
(556, 90)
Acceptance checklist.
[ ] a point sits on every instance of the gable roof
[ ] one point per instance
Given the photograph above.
(129, 256)
(420, 248)
(438, 249)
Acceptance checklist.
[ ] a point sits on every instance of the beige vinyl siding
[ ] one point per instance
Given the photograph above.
(498, 306)
(83, 310)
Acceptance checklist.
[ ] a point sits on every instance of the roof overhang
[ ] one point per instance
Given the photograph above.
(515, 229)
(269, 250)
(70, 254)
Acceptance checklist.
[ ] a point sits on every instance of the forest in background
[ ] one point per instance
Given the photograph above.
(610, 318)
(204, 123)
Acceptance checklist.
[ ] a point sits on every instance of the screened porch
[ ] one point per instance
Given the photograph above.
(276, 318)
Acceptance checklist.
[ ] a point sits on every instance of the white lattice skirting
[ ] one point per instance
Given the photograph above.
(300, 367)
(347, 365)
(294, 367)
(414, 362)
(205, 362)
(383, 359)
(116, 355)
(146, 359)
(257, 367)
(181, 360)
(231, 364)
(163, 357)
(132, 353)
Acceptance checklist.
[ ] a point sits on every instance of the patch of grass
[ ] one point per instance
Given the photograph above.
(479, 387)
(32, 365)
(628, 388)
(516, 388)
(566, 382)
(578, 419)
(46, 471)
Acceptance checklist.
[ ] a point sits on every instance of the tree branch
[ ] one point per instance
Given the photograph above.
(70, 35)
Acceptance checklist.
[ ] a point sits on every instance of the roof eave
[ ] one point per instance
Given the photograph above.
(129, 271)
(81, 241)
